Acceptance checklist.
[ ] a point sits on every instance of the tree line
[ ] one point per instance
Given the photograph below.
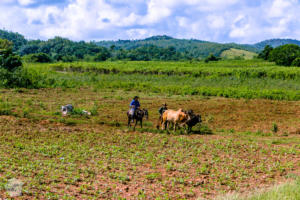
(65, 50)
(161, 48)
(286, 55)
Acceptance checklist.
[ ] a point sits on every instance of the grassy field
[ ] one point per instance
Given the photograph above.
(288, 191)
(251, 79)
(237, 148)
(238, 53)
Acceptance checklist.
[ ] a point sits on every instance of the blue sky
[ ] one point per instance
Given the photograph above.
(247, 21)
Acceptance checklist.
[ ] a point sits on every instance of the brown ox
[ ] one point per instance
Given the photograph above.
(178, 117)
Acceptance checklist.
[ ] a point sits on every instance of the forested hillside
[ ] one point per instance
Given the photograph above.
(16, 38)
(275, 43)
(192, 48)
(163, 48)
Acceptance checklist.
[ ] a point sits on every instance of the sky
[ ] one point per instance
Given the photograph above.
(247, 21)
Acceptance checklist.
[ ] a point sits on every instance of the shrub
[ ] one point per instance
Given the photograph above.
(94, 110)
(38, 58)
(285, 54)
(11, 72)
(68, 58)
(102, 56)
(21, 78)
(8, 60)
(275, 128)
(211, 57)
(64, 58)
(296, 62)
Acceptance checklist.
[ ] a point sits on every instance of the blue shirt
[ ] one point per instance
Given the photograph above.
(135, 103)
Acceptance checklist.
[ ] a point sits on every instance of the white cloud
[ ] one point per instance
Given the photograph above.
(26, 2)
(6, 1)
(76, 19)
(217, 20)
(240, 32)
(138, 33)
(157, 10)
(215, 5)
(279, 7)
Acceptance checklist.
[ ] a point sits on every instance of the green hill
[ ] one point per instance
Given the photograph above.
(16, 38)
(238, 53)
(152, 48)
(275, 43)
(194, 48)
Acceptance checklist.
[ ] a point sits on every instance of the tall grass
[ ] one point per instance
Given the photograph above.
(257, 79)
(240, 69)
(288, 191)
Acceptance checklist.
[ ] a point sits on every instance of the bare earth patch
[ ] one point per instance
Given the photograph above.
(97, 157)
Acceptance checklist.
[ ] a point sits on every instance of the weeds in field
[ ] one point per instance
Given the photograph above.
(75, 157)
(274, 128)
(243, 79)
(5, 107)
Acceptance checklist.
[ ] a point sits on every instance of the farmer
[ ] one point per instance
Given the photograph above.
(162, 109)
(134, 105)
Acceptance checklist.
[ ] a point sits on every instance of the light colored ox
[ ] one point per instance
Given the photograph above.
(178, 117)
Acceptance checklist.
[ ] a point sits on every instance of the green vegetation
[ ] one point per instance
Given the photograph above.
(37, 58)
(287, 55)
(241, 143)
(97, 157)
(211, 57)
(227, 68)
(235, 79)
(296, 62)
(238, 54)
(275, 43)
(60, 49)
(190, 48)
(12, 74)
(17, 39)
(264, 54)
(287, 191)
(8, 60)
(162, 48)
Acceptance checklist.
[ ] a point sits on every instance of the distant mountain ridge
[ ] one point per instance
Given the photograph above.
(196, 48)
(191, 47)
(275, 43)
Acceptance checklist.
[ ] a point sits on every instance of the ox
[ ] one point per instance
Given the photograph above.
(194, 119)
(178, 117)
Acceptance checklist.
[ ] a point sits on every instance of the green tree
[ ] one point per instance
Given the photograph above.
(12, 74)
(266, 52)
(28, 49)
(8, 60)
(285, 54)
(38, 57)
(17, 39)
(103, 55)
(296, 62)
